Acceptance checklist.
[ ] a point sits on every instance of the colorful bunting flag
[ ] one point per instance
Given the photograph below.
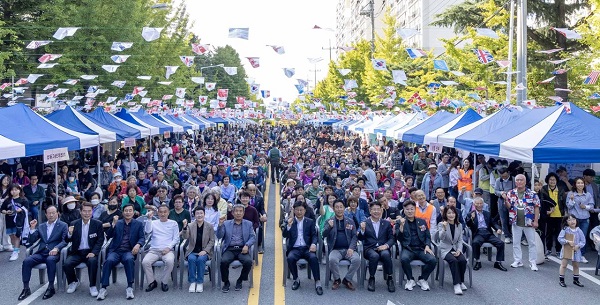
(110, 68)
(49, 57)
(289, 72)
(265, 93)
(379, 64)
(483, 56)
(210, 86)
(119, 59)
(254, 61)
(547, 81)
(551, 51)
(89, 77)
(33, 77)
(278, 49)
(170, 70)
(241, 33)
(120, 46)
(203, 99)
(37, 43)
(200, 49)
(569, 34)
(415, 53)
(230, 70)
(344, 72)
(180, 92)
(151, 34)
(440, 64)
(119, 83)
(144, 77)
(254, 88)
(198, 80)
(592, 78)
(406, 33)
(61, 33)
(188, 61)
(46, 66)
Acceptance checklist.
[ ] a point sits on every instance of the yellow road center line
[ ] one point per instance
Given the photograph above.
(279, 297)
(254, 292)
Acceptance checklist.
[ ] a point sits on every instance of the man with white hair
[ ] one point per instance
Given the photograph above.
(222, 204)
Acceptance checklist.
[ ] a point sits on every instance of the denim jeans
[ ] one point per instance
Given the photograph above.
(196, 267)
(584, 225)
(113, 259)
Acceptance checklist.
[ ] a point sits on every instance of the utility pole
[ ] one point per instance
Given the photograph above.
(330, 48)
(511, 36)
(522, 50)
(371, 13)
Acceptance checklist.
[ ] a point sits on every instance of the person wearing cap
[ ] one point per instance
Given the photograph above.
(421, 166)
(170, 176)
(431, 181)
(307, 176)
(48, 176)
(564, 182)
(70, 210)
(20, 178)
(236, 177)
(117, 185)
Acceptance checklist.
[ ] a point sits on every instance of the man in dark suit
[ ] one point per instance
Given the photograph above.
(413, 235)
(480, 223)
(52, 236)
(302, 240)
(378, 239)
(341, 237)
(127, 238)
(238, 237)
(86, 236)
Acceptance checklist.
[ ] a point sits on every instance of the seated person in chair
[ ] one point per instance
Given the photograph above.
(450, 232)
(201, 240)
(302, 241)
(480, 223)
(165, 237)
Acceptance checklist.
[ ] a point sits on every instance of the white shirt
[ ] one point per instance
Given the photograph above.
(376, 225)
(164, 234)
(300, 227)
(85, 229)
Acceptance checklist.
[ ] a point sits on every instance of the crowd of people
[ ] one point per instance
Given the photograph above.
(379, 202)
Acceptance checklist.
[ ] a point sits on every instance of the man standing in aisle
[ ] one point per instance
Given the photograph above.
(524, 212)
(274, 157)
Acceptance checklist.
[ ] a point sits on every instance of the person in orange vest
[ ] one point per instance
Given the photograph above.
(426, 211)
(465, 176)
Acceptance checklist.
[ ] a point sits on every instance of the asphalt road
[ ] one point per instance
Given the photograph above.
(490, 286)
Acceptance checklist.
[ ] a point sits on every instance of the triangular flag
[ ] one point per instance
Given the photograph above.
(119, 59)
(415, 53)
(137, 90)
(170, 71)
(37, 43)
(144, 77)
(278, 49)
(188, 61)
(558, 61)
(230, 70)
(89, 77)
(46, 66)
(314, 60)
(200, 49)
(570, 34)
(440, 64)
(180, 92)
(254, 61)
(64, 32)
(151, 34)
(549, 51)
(241, 33)
(119, 83)
(121, 46)
(503, 63)
(110, 68)
(210, 86)
(165, 83)
(249, 80)
(33, 77)
(547, 81)
(203, 99)
(198, 80)
(344, 72)
(350, 84)
(289, 72)
(406, 33)
(457, 73)
(49, 57)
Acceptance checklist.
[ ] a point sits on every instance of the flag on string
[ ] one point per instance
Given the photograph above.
(529, 103)
(46, 66)
(49, 57)
(406, 33)
(92, 89)
(37, 43)
(120, 46)
(350, 84)
(254, 88)
(167, 97)
(551, 51)
(399, 77)
(249, 80)
(254, 61)
(445, 102)
(78, 97)
(111, 99)
(265, 93)
(415, 53)
(119, 83)
(569, 34)
(144, 77)
(202, 99)
(595, 96)
(314, 60)
(188, 61)
(137, 90)
(344, 72)
(592, 78)
(4, 85)
(278, 49)
(440, 64)
(222, 94)
(241, 33)
(128, 97)
(474, 96)
(520, 86)
(210, 86)
(71, 82)
(289, 72)
(567, 107)
(346, 49)
(170, 70)
(180, 92)
(547, 81)
(165, 83)
(595, 109)
(61, 33)
(449, 83)
(200, 49)
(48, 87)
(119, 59)
(21, 81)
(483, 56)
(141, 93)
(198, 80)
(151, 34)
(89, 77)
(556, 98)
(300, 88)
(558, 61)
(240, 100)
(379, 64)
(503, 63)
(414, 97)
(560, 71)
(487, 32)
(110, 68)
(230, 70)
(33, 77)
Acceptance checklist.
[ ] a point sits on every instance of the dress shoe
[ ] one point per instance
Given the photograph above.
(371, 284)
(348, 284)
(24, 294)
(498, 265)
(296, 285)
(391, 285)
(225, 288)
(336, 284)
(319, 290)
(478, 266)
(562, 284)
(49, 293)
(577, 283)
(151, 286)
(164, 287)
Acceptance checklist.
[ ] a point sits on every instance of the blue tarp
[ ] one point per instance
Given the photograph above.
(107, 121)
(194, 119)
(417, 133)
(170, 118)
(74, 120)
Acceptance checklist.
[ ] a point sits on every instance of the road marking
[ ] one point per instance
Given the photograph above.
(585, 275)
(279, 296)
(254, 292)
(36, 294)
(587, 268)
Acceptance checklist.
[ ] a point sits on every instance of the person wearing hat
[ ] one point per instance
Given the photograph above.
(420, 166)
(117, 185)
(20, 178)
(69, 210)
(106, 176)
(48, 176)
(431, 181)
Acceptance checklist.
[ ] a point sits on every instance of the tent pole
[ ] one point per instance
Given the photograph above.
(150, 145)
(55, 183)
(98, 161)
(532, 175)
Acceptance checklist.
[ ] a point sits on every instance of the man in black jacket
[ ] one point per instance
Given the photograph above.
(413, 235)
(341, 237)
(86, 236)
(480, 223)
(378, 239)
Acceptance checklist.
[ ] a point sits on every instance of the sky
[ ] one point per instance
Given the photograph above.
(271, 22)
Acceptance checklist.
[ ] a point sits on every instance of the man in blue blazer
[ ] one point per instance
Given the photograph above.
(302, 240)
(238, 237)
(52, 236)
(127, 238)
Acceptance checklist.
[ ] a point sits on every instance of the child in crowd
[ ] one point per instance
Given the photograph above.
(571, 226)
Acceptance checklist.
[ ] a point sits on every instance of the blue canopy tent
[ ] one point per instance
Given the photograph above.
(439, 120)
(461, 120)
(381, 128)
(192, 120)
(109, 122)
(74, 120)
(26, 133)
(169, 120)
(126, 116)
(206, 122)
(218, 120)
(330, 122)
(176, 119)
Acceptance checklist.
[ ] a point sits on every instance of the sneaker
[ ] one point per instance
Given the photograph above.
(225, 288)
(93, 291)
(548, 253)
(238, 285)
(72, 287)
(199, 287)
(379, 267)
(507, 241)
(14, 256)
(584, 260)
(192, 288)
(129, 292)
(101, 294)
(534, 267)
(8, 248)
(457, 290)
(423, 284)
(463, 286)
(516, 264)
(524, 243)
(410, 284)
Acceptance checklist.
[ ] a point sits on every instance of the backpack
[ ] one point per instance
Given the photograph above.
(274, 155)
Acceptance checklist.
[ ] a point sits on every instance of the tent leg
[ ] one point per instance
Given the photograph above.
(55, 185)
(98, 165)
